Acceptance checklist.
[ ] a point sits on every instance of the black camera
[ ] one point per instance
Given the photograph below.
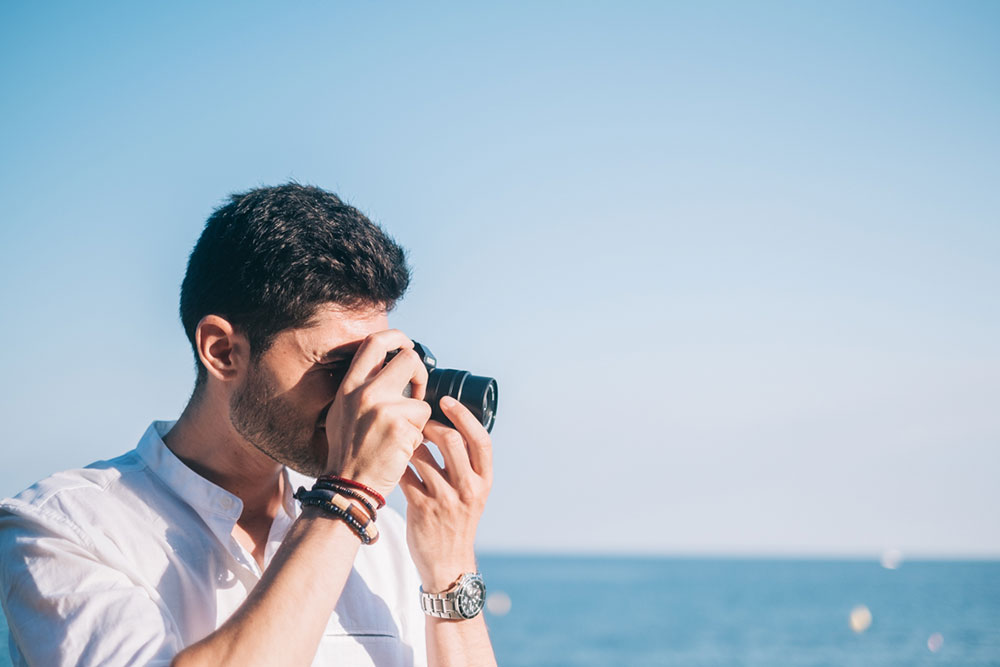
(477, 393)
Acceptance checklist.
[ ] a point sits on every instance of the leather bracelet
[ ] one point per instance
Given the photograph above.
(350, 483)
(340, 501)
(357, 495)
(340, 507)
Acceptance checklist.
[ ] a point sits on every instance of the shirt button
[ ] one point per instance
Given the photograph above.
(227, 503)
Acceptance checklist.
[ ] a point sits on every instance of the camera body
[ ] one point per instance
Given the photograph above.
(476, 392)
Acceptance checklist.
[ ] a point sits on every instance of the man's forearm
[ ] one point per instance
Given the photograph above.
(443, 511)
(458, 643)
(282, 620)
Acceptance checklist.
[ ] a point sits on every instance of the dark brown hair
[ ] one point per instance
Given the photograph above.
(270, 256)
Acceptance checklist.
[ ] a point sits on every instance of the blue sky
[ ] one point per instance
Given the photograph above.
(733, 264)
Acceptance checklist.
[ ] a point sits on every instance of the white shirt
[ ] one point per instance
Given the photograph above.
(128, 561)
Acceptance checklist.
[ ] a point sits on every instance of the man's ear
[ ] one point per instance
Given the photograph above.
(223, 351)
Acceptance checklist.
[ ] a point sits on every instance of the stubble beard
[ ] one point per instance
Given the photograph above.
(273, 426)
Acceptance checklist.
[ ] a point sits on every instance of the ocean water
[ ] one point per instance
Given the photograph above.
(691, 612)
(706, 612)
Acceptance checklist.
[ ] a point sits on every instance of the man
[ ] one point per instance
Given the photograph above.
(190, 549)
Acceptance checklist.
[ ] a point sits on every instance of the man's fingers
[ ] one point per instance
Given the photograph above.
(429, 470)
(415, 412)
(453, 449)
(370, 357)
(404, 369)
(413, 489)
(478, 445)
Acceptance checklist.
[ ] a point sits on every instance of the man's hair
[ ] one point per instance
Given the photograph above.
(271, 256)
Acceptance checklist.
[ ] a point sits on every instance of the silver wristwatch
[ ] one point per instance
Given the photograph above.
(463, 600)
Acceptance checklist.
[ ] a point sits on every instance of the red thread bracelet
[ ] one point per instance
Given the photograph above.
(351, 484)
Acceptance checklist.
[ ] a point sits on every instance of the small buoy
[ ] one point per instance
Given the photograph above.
(860, 618)
(498, 603)
(935, 642)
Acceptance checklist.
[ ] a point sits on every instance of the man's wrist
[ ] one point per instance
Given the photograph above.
(442, 577)
(318, 520)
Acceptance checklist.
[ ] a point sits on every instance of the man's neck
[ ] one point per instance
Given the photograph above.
(204, 439)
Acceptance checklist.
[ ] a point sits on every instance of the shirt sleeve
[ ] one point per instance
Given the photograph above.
(65, 606)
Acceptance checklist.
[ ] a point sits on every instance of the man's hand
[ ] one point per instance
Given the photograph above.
(445, 504)
(371, 428)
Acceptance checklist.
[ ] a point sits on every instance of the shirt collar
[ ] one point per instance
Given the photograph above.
(218, 508)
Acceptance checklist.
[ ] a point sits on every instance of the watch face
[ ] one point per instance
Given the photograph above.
(472, 597)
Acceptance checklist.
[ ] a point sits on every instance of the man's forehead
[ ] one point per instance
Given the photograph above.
(335, 332)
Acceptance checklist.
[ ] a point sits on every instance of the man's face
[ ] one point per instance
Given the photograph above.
(280, 407)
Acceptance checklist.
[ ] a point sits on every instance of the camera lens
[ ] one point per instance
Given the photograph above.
(477, 393)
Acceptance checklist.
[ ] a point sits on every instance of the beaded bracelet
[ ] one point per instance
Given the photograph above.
(339, 500)
(351, 514)
(343, 490)
(350, 483)
(367, 536)
(337, 505)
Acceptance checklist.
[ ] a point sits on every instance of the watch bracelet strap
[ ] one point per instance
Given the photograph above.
(440, 605)
(446, 604)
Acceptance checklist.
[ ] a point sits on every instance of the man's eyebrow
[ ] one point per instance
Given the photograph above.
(338, 354)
